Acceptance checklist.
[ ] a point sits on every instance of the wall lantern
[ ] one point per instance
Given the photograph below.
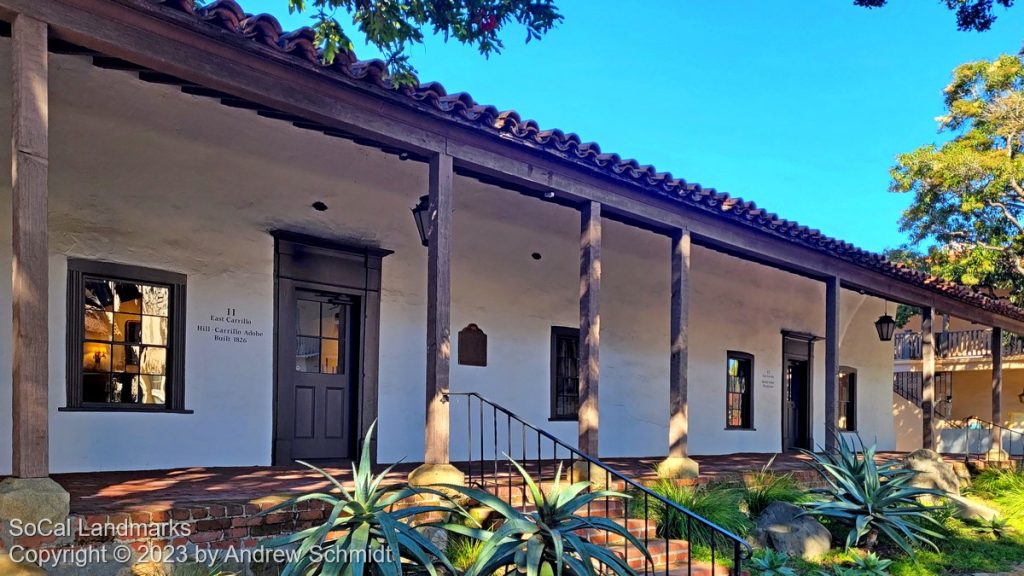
(421, 212)
(1021, 397)
(885, 325)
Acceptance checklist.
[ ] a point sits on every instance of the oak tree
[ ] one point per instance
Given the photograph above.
(394, 26)
(977, 15)
(968, 207)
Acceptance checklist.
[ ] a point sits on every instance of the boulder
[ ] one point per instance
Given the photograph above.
(436, 535)
(967, 509)
(33, 500)
(932, 472)
(784, 527)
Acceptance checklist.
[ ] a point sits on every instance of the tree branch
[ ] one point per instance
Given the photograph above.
(1009, 215)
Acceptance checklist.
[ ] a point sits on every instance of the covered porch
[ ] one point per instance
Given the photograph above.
(150, 170)
(692, 311)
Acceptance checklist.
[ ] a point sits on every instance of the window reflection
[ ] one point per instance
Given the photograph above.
(125, 348)
(321, 330)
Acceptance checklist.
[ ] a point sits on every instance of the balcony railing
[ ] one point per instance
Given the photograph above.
(961, 344)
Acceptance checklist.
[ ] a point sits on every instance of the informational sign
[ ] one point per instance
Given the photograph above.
(768, 379)
(230, 327)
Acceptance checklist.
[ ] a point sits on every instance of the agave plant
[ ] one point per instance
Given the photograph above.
(362, 533)
(546, 541)
(871, 565)
(873, 499)
(997, 527)
(769, 562)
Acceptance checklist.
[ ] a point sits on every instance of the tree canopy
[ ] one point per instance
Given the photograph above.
(394, 26)
(968, 206)
(977, 15)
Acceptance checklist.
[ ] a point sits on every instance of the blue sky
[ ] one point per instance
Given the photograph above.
(799, 106)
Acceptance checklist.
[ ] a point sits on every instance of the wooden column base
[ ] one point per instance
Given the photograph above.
(583, 471)
(678, 467)
(431, 474)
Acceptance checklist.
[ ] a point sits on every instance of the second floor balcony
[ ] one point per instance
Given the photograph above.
(957, 345)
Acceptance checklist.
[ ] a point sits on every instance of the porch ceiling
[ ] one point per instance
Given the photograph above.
(170, 37)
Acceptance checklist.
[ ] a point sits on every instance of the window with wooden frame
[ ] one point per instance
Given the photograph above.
(739, 391)
(847, 398)
(565, 373)
(126, 338)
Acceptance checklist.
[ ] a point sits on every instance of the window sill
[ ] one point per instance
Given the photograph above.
(728, 429)
(134, 409)
(562, 419)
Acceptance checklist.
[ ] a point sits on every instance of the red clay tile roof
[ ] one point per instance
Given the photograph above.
(265, 29)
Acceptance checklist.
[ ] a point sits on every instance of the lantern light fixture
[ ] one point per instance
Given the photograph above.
(885, 325)
(421, 213)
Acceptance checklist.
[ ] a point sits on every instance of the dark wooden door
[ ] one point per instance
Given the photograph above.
(316, 342)
(797, 397)
(797, 404)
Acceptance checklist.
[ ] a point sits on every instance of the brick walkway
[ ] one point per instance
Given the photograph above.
(166, 489)
(221, 506)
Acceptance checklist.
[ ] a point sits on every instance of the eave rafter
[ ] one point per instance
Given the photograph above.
(273, 73)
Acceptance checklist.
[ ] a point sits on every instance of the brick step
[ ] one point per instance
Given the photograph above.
(501, 483)
(698, 569)
(664, 554)
(636, 527)
(609, 507)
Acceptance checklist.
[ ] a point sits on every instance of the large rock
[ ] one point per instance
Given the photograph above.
(784, 527)
(933, 473)
(31, 501)
(967, 509)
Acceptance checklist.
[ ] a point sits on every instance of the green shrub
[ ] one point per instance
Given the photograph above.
(765, 487)
(873, 499)
(717, 503)
(1006, 487)
(771, 563)
(463, 551)
(546, 541)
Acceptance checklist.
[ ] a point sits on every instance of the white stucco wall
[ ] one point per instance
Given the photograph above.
(861, 349)
(144, 175)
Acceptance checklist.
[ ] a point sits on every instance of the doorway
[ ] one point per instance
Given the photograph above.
(319, 337)
(327, 300)
(797, 392)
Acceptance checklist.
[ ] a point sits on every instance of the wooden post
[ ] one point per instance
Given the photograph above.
(678, 464)
(679, 325)
(30, 282)
(997, 390)
(590, 325)
(439, 296)
(832, 288)
(927, 377)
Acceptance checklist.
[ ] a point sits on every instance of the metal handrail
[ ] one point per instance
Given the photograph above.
(985, 430)
(741, 548)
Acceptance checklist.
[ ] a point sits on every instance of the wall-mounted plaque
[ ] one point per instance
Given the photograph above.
(472, 346)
